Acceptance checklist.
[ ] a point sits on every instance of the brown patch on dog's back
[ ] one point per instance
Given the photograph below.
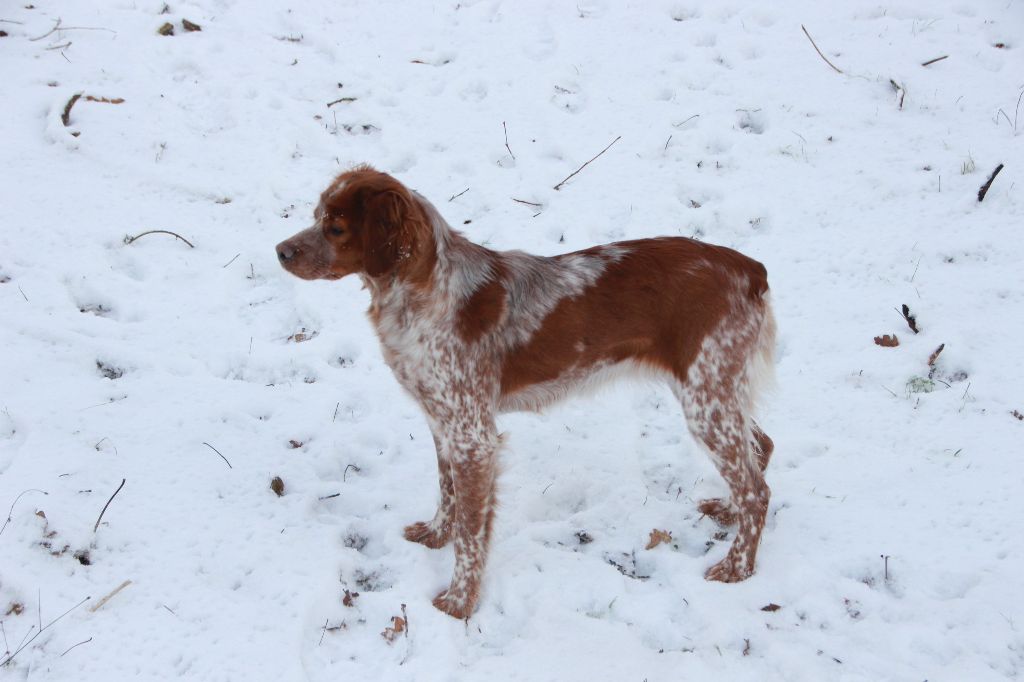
(482, 312)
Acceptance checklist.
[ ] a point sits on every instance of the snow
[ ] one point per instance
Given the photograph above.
(855, 203)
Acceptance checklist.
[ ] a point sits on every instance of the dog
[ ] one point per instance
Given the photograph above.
(471, 333)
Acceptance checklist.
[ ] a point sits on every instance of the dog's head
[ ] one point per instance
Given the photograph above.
(366, 223)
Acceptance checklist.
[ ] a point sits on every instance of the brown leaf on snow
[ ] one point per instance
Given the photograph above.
(658, 537)
(771, 608)
(350, 598)
(887, 341)
(391, 633)
(303, 335)
(935, 356)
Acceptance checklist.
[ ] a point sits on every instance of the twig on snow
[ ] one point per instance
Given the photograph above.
(344, 474)
(506, 141)
(107, 100)
(65, 118)
(340, 100)
(559, 185)
(100, 518)
(75, 645)
(911, 319)
(110, 596)
(11, 510)
(456, 196)
(130, 239)
(528, 203)
(937, 59)
(682, 123)
(218, 452)
(40, 631)
(988, 183)
(837, 69)
(58, 27)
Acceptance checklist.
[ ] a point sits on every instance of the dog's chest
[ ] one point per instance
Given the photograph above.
(424, 360)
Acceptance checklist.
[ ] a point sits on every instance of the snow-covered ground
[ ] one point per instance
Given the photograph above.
(894, 546)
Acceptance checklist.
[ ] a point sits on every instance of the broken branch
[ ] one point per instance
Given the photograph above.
(937, 59)
(837, 69)
(559, 185)
(58, 27)
(910, 318)
(110, 596)
(218, 452)
(65, 118)
(100, 518)
(506, 141)
(988, 183)
(130, 239)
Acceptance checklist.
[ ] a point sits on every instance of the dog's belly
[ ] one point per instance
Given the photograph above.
(575, 381)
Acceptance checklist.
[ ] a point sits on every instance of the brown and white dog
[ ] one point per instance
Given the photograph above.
(471, 333)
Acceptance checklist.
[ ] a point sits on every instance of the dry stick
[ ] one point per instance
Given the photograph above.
(231, 261)
(911, 319)
(340, 100)
(58, 27)
(528, 203)
(344, 474)
(100, 518)
(129, 240)
(73, 646)
(41, 630)
(937, 59)
(11, 510)
(506, 141)
(988, 183)
(559, 185)
(106, 100)
(110, 596)
(58, 47)
(838, 70)
(218, 452)
(456, 196)
(682, 123)
(65, 118)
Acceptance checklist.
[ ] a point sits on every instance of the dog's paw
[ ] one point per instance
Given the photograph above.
(428, 534)
(721, 511)
(729, 570)
(456, 606)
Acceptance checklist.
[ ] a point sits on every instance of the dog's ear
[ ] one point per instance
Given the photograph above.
(386, 232)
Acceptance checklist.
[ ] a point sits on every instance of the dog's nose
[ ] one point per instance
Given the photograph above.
(285, 252)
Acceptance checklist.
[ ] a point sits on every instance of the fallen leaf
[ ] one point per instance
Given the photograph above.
(658, 537)
(391, 633)
(277, 485)
(887, 341)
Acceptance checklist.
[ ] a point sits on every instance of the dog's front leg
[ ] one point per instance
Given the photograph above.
(472, 449)
(437, 532)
